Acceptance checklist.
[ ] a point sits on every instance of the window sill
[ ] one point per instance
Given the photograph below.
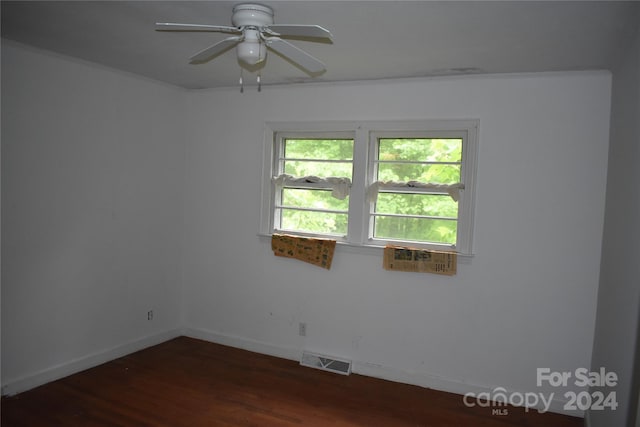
(372, 249)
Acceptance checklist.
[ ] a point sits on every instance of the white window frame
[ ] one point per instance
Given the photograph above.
(278, 158)
(365, 135)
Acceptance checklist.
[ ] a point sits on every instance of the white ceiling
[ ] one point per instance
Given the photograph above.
(372, 39)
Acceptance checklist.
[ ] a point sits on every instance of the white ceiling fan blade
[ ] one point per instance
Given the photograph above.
(300, 31)
(214, 50)
(170, 26)
(295, 54)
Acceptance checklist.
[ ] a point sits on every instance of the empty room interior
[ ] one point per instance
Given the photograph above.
(150, 168)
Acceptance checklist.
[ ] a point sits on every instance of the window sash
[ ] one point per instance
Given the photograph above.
(406, 188)
(279, 208)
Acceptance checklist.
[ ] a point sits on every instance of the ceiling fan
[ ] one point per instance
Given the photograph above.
(254, 33)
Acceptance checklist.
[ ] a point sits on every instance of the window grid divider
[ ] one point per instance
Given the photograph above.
(445, 218)
(298, 208)
(296, 159)
(308, 186)
(416, 162)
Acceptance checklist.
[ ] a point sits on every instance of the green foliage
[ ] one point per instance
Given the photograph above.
(421, 153)
(319, 149)
(307, 168)
(416, 229)
(317, 199)
(402, 159)
(311, 157)
(315, 222)
(310, 221)
(440, 205)
(420, 150)
(437, 174)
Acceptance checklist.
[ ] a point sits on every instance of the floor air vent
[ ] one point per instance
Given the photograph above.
(326, 363)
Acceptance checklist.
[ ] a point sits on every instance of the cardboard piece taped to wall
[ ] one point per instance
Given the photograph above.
(400, 258)
(314, 251)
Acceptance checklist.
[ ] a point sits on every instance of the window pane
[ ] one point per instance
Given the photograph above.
(421, 149)
(314, 199)
(326, 149)
(417, 204)
(438, 174)
(302, 168)
(415, 229)
(314, 222)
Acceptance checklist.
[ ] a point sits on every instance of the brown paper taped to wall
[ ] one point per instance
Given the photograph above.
(314, 251)
(400, 258)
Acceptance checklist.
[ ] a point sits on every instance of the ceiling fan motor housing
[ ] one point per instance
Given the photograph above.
(252, 15)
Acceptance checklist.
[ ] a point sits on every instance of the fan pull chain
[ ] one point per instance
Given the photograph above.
(241, 82)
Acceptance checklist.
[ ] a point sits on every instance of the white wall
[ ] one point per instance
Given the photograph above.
(526, 300)
(92, 177)
(617, 332)
(92, 168)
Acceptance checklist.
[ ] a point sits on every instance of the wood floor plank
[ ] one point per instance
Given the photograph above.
(189, 382)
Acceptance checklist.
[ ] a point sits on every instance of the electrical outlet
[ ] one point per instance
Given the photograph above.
(302, 329)
(150, 315)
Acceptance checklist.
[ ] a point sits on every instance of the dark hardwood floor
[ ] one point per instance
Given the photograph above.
(188, 382)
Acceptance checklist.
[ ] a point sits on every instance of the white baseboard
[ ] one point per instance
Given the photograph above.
(82, 363)
(370, 369)
(255, 346)
(291, 353)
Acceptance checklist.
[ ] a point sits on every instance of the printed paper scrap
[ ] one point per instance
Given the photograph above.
(314, 251)
(400, 258)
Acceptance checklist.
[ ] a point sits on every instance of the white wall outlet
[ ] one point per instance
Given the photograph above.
(302, 329)
(150, 315)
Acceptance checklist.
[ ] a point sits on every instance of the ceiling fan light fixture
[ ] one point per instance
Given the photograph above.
(251, 52)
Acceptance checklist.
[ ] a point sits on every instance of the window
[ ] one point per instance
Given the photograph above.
(372, 183)
(312, 171)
